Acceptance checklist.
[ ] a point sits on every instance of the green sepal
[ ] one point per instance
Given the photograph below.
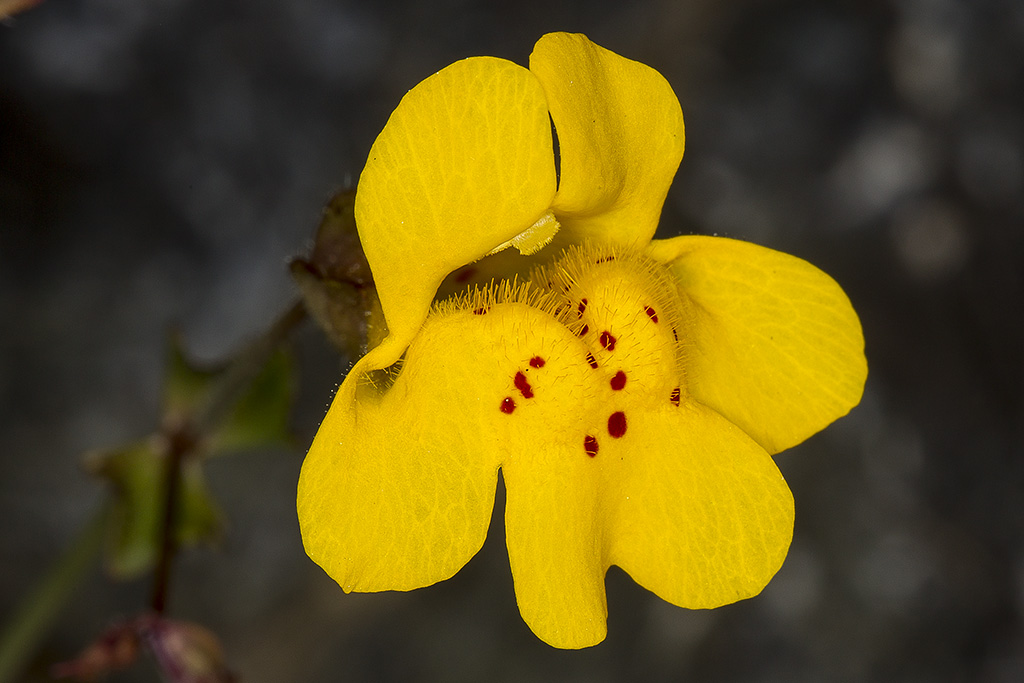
(336, 284)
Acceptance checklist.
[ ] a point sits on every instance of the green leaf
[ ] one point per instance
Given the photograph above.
(185, 386)
(199, 520)
(137, 473)
(261, 416)
(258, 417)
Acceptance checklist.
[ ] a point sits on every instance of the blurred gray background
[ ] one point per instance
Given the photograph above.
(160, 161)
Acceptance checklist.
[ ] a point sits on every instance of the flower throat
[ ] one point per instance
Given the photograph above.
(622, 307)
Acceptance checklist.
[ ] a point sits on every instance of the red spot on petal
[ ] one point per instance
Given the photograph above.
(617, 424)
(584, 330)
(582, 307)
(479, 311)
(508, 405)
(536, 362)
(651, 314)
(523, 386)
(607, 340)
(619, 380)
(591, 360)
(675, 396)
(590, 445)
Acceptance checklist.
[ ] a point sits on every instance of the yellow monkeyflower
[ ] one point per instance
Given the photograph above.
(630, 391)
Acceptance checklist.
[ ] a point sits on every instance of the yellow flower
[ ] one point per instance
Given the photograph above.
(630, 391)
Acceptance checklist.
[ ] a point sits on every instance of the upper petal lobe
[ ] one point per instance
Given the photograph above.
(621, 137)
(464, 164)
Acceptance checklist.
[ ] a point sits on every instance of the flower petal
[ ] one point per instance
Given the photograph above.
(698, 513)
(397, 489)
(463, 165)
(554, 542)
(620, 133)
(773, 343)
(387, 501)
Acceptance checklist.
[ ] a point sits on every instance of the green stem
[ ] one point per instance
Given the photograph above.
(32, 618)
(35, 614)
(183, 438)
(168, 542)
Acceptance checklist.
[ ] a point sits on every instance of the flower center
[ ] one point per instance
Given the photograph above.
(627, 313)
(625, 309)
(581, 345)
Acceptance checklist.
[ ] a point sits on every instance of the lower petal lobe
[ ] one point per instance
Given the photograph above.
(697, 512)
(395, 494)
(554, 543)
(772, 343)
(398, 487)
